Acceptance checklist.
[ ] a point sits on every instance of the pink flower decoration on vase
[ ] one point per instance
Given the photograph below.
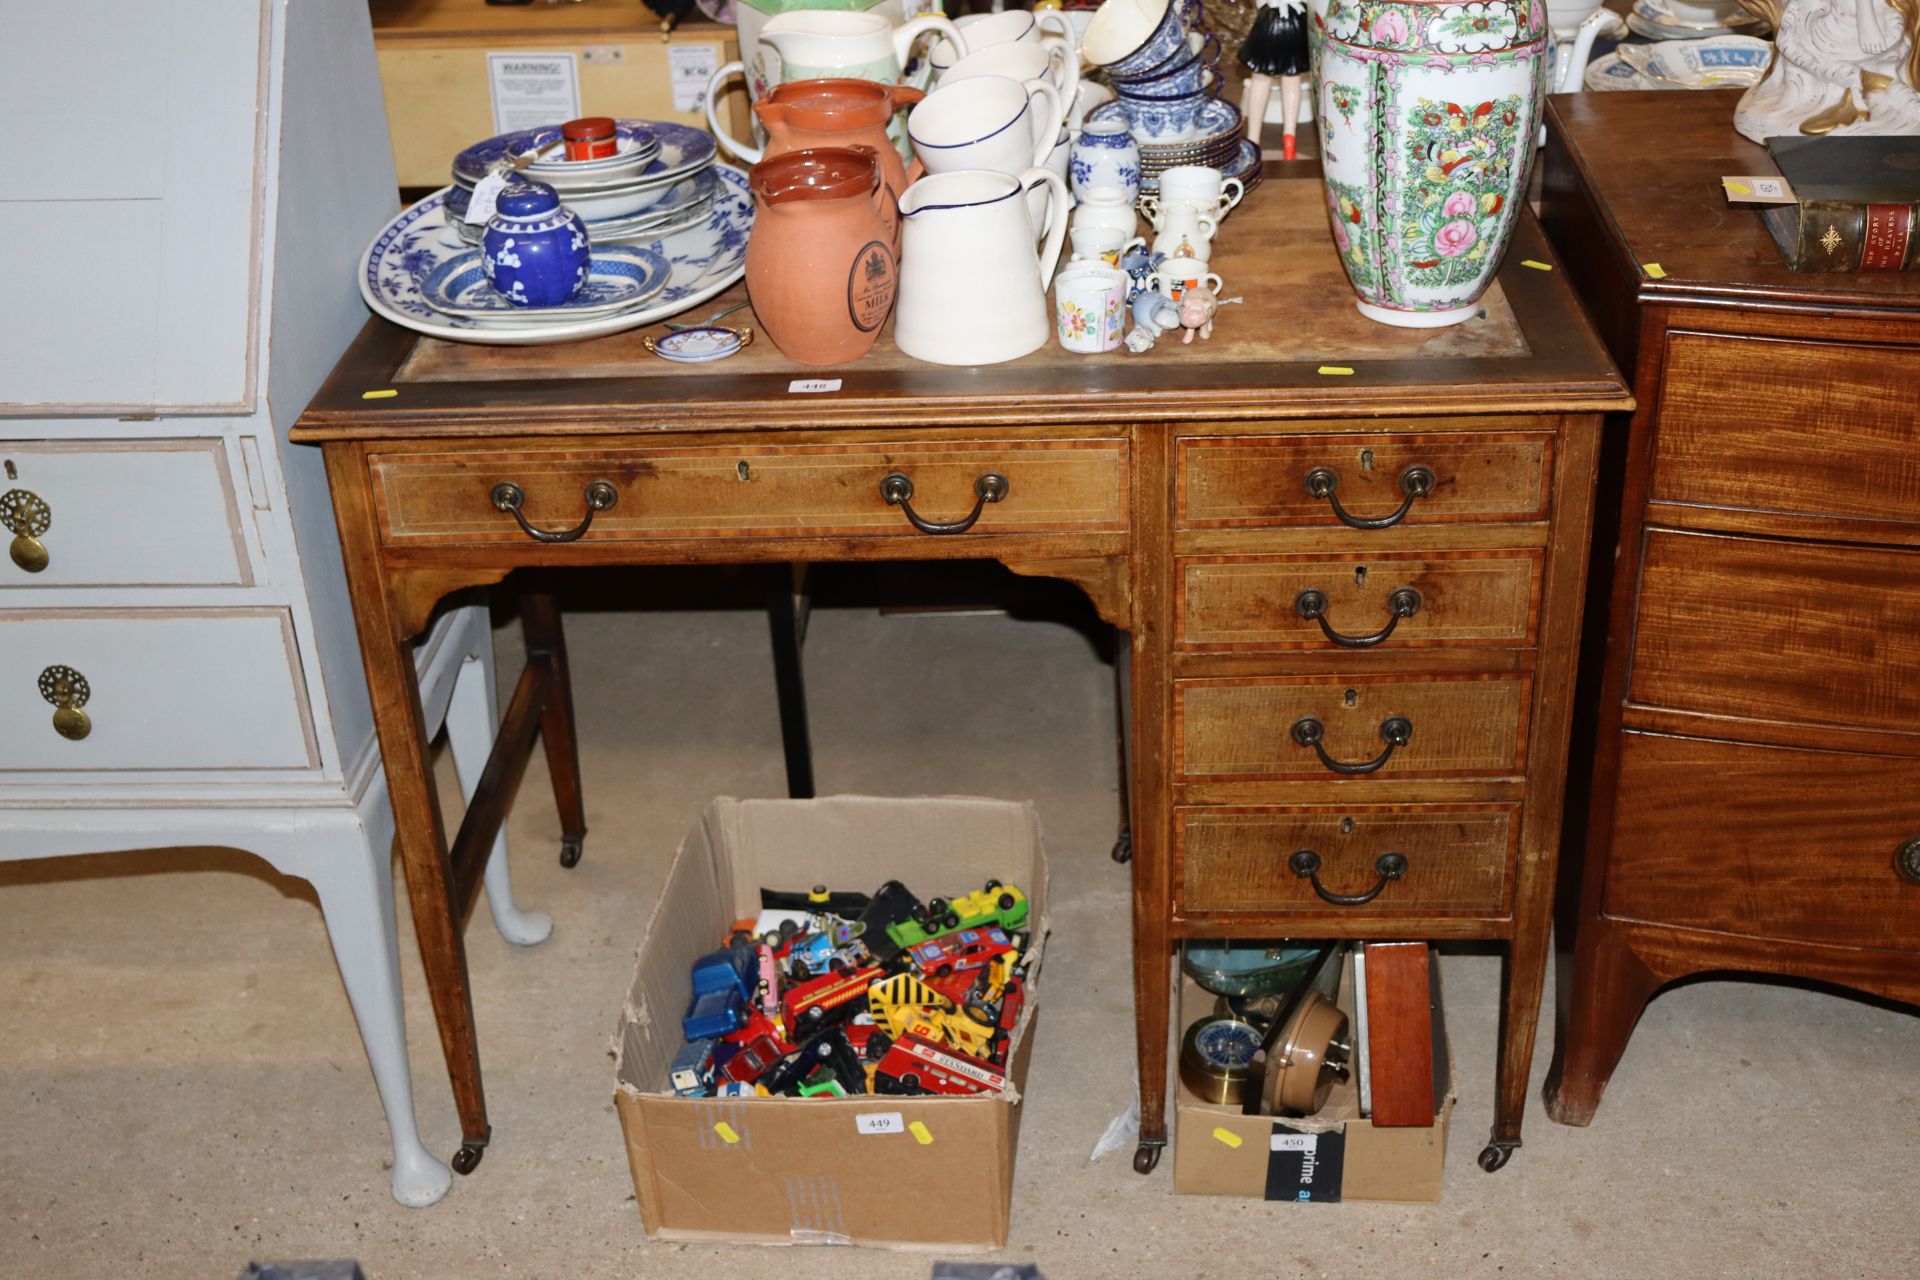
(1340, 236)
(1455, 238)
(1459, 205)
(1390, 28)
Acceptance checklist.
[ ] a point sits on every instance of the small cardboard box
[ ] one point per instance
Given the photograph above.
(896, 1172)
(1335, 1155)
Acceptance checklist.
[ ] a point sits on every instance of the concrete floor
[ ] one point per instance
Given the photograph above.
(182, 1088)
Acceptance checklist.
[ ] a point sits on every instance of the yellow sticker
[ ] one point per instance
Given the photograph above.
(1336, 370)
(727, 1135)
(1537, 266)
(388, 394)
(1737, 188)
(1229, 1137)
(1654, 270)
(921, 1134)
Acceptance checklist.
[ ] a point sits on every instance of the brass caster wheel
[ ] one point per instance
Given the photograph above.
(1146, 1158)
(467, 1159)
(1123, 847)
(570, 851)
(1494, 1156)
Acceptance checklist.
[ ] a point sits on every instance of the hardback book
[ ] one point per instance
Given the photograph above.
(1858, 199)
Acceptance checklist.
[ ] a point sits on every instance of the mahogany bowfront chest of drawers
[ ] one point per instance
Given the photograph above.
(1348, 562)
(1753, 796)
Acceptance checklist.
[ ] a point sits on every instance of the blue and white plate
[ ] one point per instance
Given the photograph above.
(1216, 120)
(1245, 167)
(633, 136)
(618, 277)
(682, 206)
(683, 149)
(1657, 20)
(698, 346)
(1717, 62)
(707, 259)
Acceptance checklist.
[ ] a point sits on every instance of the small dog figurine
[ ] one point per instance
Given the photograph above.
(1197, 306)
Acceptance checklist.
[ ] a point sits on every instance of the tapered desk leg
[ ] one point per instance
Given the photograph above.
(387, 653)
(540, 621)
(789, 678)
(1611, 986)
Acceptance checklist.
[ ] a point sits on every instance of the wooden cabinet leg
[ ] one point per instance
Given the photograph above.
(540, 620)
(1610, 987)
(1519, 1022)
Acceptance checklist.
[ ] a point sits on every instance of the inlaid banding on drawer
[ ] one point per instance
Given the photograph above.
(1809, 428)
(1254, 481)
(1768, 842)
(1278, 602)
(1459, 858)
(1792, 632)
(1053, 486)
(1456, 726)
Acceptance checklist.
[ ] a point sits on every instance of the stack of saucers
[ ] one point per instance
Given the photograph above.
(659, 180)
(1223, 146)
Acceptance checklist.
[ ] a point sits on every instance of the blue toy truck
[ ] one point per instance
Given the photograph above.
(723, 984)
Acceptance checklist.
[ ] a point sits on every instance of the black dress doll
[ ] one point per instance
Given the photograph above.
(1277, 46)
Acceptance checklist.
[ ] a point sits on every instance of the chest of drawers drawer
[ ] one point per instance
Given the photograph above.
(1431, 860)
(1367, 728)
(201, 689)
(1045, 486)
(1390, 600)
(1839, 433)
(1308, 480)
(1779, 631)
(1767, 842)
(113, 513)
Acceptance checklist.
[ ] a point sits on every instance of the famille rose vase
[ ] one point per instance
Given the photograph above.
(1428, 113)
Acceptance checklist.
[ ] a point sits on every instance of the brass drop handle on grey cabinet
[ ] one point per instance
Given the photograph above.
(1906, 860)
(1395, 731)
(1415, 482)
(510, 497)
(68, 691)
(988, 486)
(1311, 604)
(26, 515)
(1305, 863)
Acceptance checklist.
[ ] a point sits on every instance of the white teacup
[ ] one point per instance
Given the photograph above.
(1011, 26)
(1090, 307)
(1196, 184)
(1098, 243)
(1177, 275)
(986, 122)
(1022, 62)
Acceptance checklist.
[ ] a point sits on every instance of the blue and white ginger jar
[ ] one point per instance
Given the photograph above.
(535, 249)
(1105, 155)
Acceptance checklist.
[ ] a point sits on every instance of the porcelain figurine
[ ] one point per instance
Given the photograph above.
(1428, 112)
(1196, 313)
(535, 249)
(1153, 315)
(1840, 67)
(1105, 155)
(821, 270)
(1275, 47)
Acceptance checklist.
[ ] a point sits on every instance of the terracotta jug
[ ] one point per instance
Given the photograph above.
(821, 267)
(837, 113)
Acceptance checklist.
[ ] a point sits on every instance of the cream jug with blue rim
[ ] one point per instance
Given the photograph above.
(751, 16)
(815, 44)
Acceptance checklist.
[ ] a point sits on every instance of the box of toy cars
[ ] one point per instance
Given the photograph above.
(828, 1028)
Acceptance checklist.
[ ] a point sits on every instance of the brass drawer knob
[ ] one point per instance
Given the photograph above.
(26, 515)
(68, 691)
(988, 486)
(1311, 604)
(1906, 860)
(1415, 482)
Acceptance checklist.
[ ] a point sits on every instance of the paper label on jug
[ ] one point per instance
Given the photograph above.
(870, 286)
(689, 67)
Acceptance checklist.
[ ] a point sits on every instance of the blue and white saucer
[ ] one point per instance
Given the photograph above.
(683, 205)
(1717, 62)
(1217, 119)
(698, 346)
(619, 277)
(707, 259)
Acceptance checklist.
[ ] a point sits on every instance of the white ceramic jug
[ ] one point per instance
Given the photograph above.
(972, 288)
(809, 44)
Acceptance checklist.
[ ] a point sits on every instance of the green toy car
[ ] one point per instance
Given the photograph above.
(997, 904)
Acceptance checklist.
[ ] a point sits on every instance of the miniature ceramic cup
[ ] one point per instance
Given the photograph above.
(1106, 207)
(535, 249)
(1102, 244)
(986, 122)
(1090, 307)
(1177, 275)
(1105, 155)
(1199, 185)
(1184, 230)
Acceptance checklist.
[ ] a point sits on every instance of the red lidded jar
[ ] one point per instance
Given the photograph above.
(590, 138)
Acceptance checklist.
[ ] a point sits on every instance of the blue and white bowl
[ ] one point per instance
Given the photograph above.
(638, 143)
(1131, 37)
(535, 250)
(1157, 119)
(619, 278)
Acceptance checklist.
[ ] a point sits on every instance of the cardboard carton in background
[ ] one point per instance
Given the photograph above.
(875, 1170)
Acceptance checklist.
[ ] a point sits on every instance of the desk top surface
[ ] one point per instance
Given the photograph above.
(1532, 350)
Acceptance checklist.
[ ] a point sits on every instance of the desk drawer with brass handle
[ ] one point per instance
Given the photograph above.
(1364, 860)
(1351, 727)
(1393, 600)
(884, 489)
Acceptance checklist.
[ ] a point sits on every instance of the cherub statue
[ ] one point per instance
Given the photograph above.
(1840, 67)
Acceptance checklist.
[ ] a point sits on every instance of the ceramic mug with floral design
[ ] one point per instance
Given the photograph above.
(1428, 112)
(1090, 306)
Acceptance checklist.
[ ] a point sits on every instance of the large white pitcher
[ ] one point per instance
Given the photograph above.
(972, 288)
(810, 44)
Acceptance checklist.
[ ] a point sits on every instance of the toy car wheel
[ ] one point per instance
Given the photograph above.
(772, 938)
(1008, 902)
(942, 970)
(992, 885)
(911, 1080)
(877, 1045)
(800, 971)
(951, 920)
(936, 907)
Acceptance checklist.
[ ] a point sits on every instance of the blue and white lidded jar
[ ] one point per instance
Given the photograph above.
(1105, 155)
(535, 249)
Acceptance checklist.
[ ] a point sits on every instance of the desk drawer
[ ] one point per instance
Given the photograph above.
(1458, 859)
(1458, 726)
(1811, 428)
(202, 689)
(1768, 842)
(148, 513)
(1282, 602)
(795, 490)
(1784, 631)
(1258, 481)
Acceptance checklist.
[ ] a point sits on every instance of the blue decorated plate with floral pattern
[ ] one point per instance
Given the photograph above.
(706, 260)
(682, 149)
(618, 277)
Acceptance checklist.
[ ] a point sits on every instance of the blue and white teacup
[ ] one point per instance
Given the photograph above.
(1182, 75)
(1156, 118)
(1129, 37)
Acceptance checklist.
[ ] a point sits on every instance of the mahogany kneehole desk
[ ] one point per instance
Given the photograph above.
(1172, 487)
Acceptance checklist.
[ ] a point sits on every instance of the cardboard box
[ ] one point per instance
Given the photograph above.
(1336, 1155)
(895, 1172)
(434, 70)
